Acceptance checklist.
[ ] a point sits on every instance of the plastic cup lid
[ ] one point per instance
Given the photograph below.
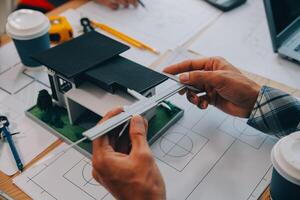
(27, 24)
(286, 157)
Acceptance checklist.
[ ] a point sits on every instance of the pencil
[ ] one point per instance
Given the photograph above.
(124, 37)
(141, 3)
(119, 35)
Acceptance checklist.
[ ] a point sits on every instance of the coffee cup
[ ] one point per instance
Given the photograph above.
(29, 31)
(285, 156)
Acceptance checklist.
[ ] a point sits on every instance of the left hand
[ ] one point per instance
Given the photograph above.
(127, 176)
(225, 86)
(114, 4)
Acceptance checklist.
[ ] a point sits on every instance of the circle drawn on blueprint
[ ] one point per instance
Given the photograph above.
(181, 150)
(87, 175)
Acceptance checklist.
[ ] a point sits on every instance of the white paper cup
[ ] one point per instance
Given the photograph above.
(285, 156)
(29, 31)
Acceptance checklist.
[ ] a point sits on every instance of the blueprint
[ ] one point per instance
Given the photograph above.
(19, 89)
(206, 155)
(163, 24)
(242, 37)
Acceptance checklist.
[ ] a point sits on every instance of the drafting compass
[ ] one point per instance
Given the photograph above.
(3, 122)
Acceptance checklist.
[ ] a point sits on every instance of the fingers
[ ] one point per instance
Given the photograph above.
(125, 3)
(111, 4)
(201, 78)
(102, 143)
(207, 64)
(138, 134)
(208, 81)
(183, 91)
(201, 102)
(133, 2)
(114, 4)
(186, 66)
(111, 114)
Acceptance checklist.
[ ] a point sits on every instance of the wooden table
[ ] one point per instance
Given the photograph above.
(6, 184)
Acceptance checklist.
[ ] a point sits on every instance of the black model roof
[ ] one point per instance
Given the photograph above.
(121, 73)
(80, 54)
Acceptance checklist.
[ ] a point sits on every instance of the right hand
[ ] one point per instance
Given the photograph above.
(226, 87)
(127, 175)
(114, 4)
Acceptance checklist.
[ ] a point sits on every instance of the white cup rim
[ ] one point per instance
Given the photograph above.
(279, 159)
(33, 28)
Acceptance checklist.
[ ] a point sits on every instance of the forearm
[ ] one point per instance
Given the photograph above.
(275, 112)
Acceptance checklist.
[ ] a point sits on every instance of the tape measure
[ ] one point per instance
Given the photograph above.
(60, 30)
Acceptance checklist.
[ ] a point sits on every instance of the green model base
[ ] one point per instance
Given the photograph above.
(163, 119)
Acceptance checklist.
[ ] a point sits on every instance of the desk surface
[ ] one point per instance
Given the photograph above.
(6, 182)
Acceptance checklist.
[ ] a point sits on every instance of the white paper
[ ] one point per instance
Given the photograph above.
(242, 37)
(33, 139)
(196, 163)
(40, 75)
(8, 56)
(14, 80)
(164, 24)
(28, 95)
(66, 176)
(3, 94)
(206, 155)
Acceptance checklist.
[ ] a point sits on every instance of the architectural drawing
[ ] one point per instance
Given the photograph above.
(158, 25)
(247, 35)
(202, 158)
(206, 155)
(178, 147)
(70, 173)
(18, 92)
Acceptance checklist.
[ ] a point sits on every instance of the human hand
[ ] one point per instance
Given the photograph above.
(114, 4)
(226, 87)
(127, 176)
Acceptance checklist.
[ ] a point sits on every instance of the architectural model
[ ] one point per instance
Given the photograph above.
(88, 78)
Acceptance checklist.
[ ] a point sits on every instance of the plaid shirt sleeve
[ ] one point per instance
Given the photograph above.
(275, 112)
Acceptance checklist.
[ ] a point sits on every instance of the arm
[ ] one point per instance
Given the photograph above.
(275, 112)
(269, 110)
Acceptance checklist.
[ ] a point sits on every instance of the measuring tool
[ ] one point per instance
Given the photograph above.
(60, 29)
(139, 108)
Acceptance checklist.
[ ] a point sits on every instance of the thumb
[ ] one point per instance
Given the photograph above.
(200, 78)
(138, 134)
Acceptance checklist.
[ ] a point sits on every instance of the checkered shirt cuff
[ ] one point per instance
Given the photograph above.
(275, 112)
